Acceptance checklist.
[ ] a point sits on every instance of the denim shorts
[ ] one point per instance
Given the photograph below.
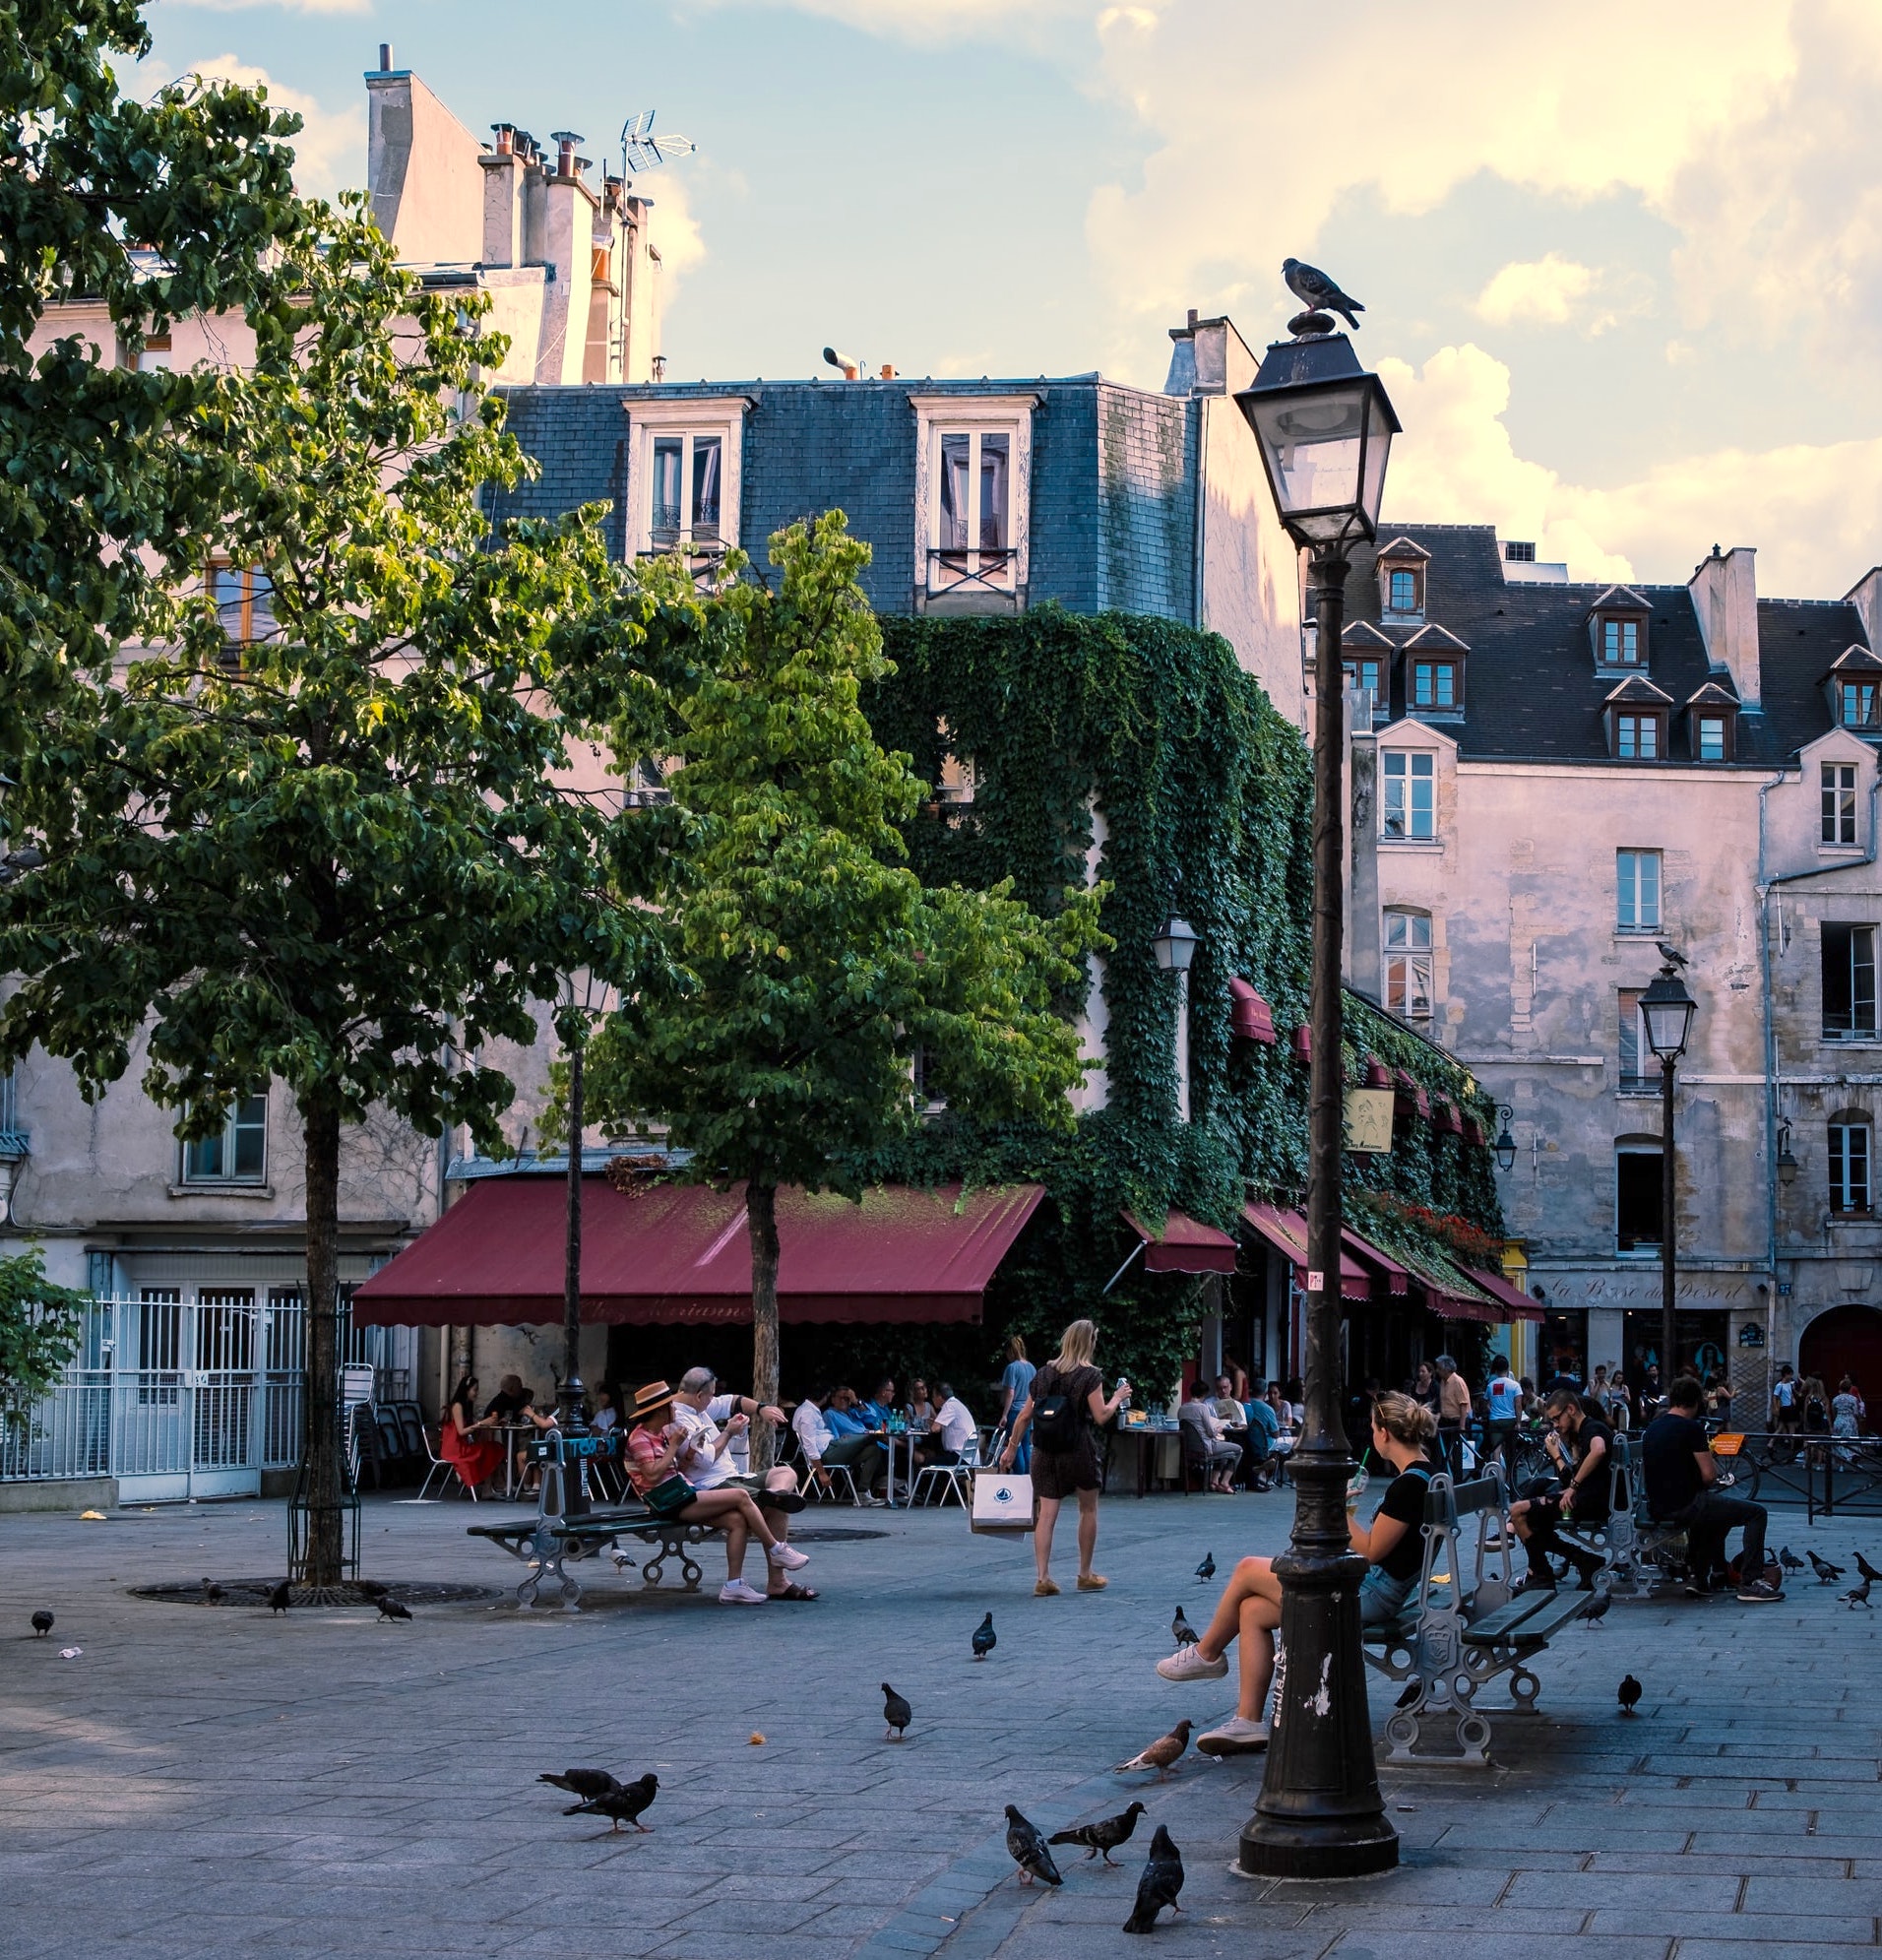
(1381, 1595)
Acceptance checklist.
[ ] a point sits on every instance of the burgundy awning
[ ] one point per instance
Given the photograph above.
(1398, 1280)
(1515, 1303)
(1286, 1233)
(1184, 1245)
(1249, 1016)
(680, 1254)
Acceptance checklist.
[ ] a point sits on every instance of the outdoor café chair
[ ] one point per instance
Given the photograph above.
(958, 1478)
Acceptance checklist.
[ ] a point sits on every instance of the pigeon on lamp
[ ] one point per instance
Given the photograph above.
(1630, 1694)
(1157, 1887)
(1789, 1560)
(391, 1609)
(1867, 1570)
(1858, 1595)
(895, 1713)
(1186, 1635)
(622, 1805)
(586, 1784)
(41, 1623)
(1161, 1755)
(1827, 1574)
(1028, 1849)
(1207, 1569)
(1105, 1835)
(983, 1638)
(281, 1598)
(1310, 284)
(1671, 954)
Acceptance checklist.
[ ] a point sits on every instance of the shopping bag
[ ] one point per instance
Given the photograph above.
(1002, 1503)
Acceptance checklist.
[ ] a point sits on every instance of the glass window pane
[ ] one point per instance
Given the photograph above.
(705, 480)
(261, 604)
(203, 1158)
(1862, 979)
(993, 492)
(668, 489)
(954, 492)
(250, 1132)
(225, 588)
(1649, 887)
(1711, 738)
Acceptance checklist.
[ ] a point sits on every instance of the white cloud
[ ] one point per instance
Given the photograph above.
(1546, 290)
(330, 153)
(674, 233)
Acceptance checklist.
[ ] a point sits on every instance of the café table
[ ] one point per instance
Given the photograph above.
(1145, 1437)
(888, 1439)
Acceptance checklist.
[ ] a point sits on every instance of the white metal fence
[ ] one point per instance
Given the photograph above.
(189, 1392)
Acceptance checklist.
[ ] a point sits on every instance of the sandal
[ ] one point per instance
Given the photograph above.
(795, 1592)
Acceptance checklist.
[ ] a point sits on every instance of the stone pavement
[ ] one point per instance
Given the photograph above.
(205, 1781)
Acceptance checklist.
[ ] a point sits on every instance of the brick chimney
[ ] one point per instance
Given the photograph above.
(1724, 599)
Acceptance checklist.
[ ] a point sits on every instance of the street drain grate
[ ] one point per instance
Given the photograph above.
(255, 1592)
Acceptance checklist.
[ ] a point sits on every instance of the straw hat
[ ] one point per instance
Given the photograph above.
(649, 1398)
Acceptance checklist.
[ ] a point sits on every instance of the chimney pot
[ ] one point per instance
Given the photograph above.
(1192, 319)
(385, 57)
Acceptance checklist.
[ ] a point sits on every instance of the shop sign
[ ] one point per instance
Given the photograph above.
(1369, 1121)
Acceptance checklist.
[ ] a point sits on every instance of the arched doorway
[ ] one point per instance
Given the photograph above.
(1848, 1340)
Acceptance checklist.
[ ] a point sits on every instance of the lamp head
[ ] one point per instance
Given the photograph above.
(1668, 1009)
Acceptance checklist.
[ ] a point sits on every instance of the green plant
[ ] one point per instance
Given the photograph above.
(40, 1325)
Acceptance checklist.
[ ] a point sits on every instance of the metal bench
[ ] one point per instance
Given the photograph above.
(1618, 1539)
(1463, 1627)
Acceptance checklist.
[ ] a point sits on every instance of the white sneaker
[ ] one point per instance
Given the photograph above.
(736, 1593)
(786, 1556)
(1238, 1737)
(1187, 1665)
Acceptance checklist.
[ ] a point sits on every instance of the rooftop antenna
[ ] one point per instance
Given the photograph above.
(641, 150)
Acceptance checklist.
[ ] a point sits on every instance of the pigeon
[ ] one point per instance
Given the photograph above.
(1105, 1835)
(43, 1622)
(211, 1592)
(1161, 1880)
(1827, 1574)
(1186, 1635)
(1311, 285)
(1867, 1570)
(1595, 1614)
(280, 1600)
(1630, 1693)
(1671, 954)
(1027, 1849)
(371, 1589)
(1858, 1595)
(1207, 1569)
(587, 1784)
(983, 1638)
(895, 1713)
(622, 1805)
(391, 1609)
(1789, 1560)
(1163, 1752)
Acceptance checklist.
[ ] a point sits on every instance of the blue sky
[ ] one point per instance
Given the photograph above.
(1623, 263)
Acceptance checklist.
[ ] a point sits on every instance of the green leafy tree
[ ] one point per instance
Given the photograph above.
(336, 856)
(805, 966)
(40, 1326)
(104, 486)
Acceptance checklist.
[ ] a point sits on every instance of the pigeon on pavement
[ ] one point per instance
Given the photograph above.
(1105, 1835)
(1207, 1569)
(391, 1609)
(1630, 1693)
(587, 1784)
(43, 1622)
(1311, 285)
(1186, 1635)
(983, 1638)
(1027, 1849)
(1161, 1880)
(1161, 1753)
(281, 1599)
(1595, 1614)
(623, 1804)
(1827, 1574)
(211, 1592)
(1858, 1595)
(895, 1713)
(1867, 1570)
(1789, 1560)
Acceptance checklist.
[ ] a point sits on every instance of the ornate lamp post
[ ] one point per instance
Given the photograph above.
(1324, 428)
(1668, 1009)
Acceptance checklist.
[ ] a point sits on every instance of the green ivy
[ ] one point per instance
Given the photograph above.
(1205, 799)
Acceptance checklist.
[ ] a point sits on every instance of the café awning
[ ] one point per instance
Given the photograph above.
(1515, 1302)
(679, 1254)
(1184, 1245)
(1286, 1233)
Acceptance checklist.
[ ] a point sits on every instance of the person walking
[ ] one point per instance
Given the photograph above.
(1454, 1415)
(1504, 1404)
(1063, 1409)
(1016, 1384)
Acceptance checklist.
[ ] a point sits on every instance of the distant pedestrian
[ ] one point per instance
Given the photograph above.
(1063, 1409)
(1784, 1410)
(1454, 1414)
(1504, 1398)
(1016, 1384)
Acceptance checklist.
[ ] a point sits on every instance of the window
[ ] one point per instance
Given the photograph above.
(1637, 1198)
(244, 597)
(1639, 1070)
(1434, 685)
(1711, 738)
(1408, 964)
(682, 470)
(1401, 592)
(1516, 553)
(1367, 674)
(1637, 891)
(688, 478)
(1857, 704)
(974, 537)
(236, 1154)
(154, 357)
(1411, 794)
(1620, 642)
(972, 466)
(1849, 1164)
(1637, 737)
(1848, 982)
(1839, 802)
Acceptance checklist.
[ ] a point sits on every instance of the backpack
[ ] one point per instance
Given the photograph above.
(1055, 1419)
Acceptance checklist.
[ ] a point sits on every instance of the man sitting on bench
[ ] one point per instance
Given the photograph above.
(1578, 1443)
(1682, 1488)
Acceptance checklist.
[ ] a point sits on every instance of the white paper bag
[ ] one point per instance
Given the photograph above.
(1002, 1502)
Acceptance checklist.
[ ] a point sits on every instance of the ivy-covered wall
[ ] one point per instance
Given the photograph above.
(1206, 800)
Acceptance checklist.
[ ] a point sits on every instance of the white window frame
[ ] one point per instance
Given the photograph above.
(1409, 968)
(972, 415)
(225, 1180)
(1410, 776)
(1851, 1167)
(1640, 922)
(1839, 826)
(721, 415)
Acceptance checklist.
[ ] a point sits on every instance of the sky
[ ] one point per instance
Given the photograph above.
(1621, 262)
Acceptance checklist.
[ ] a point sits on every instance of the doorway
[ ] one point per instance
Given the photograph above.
(1848, 1340)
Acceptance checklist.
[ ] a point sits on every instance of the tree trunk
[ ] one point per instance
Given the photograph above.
(761, 1217)
(326, 1463)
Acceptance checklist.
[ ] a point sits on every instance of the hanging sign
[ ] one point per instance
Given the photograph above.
(1369, 1121)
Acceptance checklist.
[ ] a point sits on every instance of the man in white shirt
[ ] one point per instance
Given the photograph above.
(1503, 1405)
(713, 1423)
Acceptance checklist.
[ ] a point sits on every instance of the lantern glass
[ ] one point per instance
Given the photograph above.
(1175, 945)
(1668, 1009)
(1325, 429)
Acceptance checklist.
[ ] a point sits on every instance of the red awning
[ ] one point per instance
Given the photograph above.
(1515, 1303)
(1249, 1016)
(1286, 1233)
(1398, 1280)
(1184, 1245)
(680, 1254)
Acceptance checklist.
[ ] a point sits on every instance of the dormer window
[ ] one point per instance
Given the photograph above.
(1367, 655)
(1434, 672)
(1713, 738)
(1401, 568)
(1712, 722)
(1620, 642)
(1857, 704)
(1617, 624)
(1401, 592)
(1637, 737)
(1854, 686)
(1433, 686)
(1636, 715)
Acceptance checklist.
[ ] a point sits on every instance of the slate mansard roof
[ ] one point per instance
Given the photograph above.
(1531, 689)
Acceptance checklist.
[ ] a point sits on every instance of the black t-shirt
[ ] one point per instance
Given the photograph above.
(505, 1407)
(1404, 1501)
(1591, 1505)
(1666, 1453)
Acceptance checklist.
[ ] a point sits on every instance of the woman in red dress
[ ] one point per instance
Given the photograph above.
(476, 1456)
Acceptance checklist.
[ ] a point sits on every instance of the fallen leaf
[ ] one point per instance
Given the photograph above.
(756, 1739)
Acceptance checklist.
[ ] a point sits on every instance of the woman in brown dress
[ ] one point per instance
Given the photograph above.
(1068, 1396)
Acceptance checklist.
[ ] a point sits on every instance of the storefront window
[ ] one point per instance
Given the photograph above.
(1563, 1350)
(1700, 1338)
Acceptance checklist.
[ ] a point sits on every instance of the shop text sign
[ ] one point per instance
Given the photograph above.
(1369, 1121)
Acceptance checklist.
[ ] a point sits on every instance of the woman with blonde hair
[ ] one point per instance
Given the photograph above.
(1393, 1545)
(1064, 1405)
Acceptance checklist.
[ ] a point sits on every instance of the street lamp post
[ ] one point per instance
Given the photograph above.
(582, 1001)
(1505, 1144)
(1324, 428)
(1668, 1009)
